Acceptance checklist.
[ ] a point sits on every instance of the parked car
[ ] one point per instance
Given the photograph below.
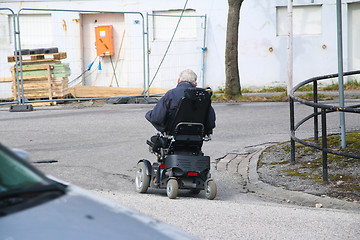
(34, 206)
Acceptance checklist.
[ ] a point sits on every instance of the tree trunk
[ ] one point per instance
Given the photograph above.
(232, 85)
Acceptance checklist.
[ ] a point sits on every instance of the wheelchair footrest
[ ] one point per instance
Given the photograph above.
(151, 144)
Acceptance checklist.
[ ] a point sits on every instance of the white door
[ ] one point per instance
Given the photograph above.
(103, 76)
(354, 36)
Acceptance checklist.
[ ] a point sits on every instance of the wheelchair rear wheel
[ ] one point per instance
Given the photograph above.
(172, 188)
(210, 190)
(142, 181)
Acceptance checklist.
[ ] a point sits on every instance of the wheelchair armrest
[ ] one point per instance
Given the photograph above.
(150, 143)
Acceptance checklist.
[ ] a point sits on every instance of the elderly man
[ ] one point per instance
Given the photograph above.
(169, 102)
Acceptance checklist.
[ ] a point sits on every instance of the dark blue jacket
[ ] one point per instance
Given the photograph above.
(168, 104)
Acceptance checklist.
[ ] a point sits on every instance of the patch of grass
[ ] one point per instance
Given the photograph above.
(281, 98)
(310, 96)
(331, 87)
(295, 173)
(246, 90)
(352, 186)
(340, 177)
(241, 98)
(303, 174)
(306, 88)
(221, 90)
(273, 89)
(264, 89)
(315, 164)
(280, 163)
(351, 84)
(317, 178)
(218, 98)
(352, 142)
(222, 97)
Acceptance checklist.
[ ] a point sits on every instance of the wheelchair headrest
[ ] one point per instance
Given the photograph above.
(197, 94)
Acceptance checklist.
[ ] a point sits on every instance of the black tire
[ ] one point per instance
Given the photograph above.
(210, 190)
(142, 181)
(172, 188)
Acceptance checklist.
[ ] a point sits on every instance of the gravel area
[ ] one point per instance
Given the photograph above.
(305, 174)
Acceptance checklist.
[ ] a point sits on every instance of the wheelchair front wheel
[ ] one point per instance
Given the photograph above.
(142, 181)
(210, 190)
(172, 188)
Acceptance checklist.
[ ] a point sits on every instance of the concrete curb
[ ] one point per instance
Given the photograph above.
(248, 169)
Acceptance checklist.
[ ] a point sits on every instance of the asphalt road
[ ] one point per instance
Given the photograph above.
(97, 147)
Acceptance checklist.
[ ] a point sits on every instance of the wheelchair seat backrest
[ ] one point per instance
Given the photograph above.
(191, 114)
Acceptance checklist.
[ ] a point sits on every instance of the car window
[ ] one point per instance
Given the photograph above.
(16, 175)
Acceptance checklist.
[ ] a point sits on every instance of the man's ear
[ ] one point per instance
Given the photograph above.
(178, 80)
(195, 84)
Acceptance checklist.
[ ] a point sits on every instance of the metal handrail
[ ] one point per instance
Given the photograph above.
(325, 109)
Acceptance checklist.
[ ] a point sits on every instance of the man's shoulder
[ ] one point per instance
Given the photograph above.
(174, 91)
(178, 91)
(169, 93)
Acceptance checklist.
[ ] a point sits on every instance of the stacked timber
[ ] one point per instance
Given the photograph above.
(92, 91)
(44, 76)
(38, 58)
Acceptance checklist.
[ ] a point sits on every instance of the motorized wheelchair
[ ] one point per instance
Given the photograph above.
(180, 162)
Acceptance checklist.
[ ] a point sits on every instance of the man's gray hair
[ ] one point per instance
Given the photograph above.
(188, 75)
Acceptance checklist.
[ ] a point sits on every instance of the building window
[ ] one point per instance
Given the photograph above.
(306, 20)
(164, 24)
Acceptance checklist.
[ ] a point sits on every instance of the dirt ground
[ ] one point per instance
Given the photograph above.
(306, 174)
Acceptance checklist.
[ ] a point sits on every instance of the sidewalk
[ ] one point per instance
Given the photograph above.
(245, 163)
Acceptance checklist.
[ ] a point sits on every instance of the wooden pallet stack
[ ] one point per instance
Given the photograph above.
(44, 76)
